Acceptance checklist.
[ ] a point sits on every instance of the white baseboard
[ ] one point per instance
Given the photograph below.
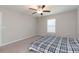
(16, 40)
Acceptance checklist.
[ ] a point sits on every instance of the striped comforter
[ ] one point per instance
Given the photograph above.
(55, 44)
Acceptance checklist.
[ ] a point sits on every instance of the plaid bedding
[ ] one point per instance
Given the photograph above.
(55, 44)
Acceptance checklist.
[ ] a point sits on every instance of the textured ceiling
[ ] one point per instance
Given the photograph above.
(53, 8)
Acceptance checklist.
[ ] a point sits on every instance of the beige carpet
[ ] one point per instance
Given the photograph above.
(18, 47)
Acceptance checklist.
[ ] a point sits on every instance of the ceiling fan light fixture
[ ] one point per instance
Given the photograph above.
(39, 11)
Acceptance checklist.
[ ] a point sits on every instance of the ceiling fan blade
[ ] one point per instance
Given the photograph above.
(34, 12)
(46, 11)
(32, 9)
(41, 13)
(43, 6)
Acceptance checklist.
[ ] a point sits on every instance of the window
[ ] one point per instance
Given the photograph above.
(51, 25)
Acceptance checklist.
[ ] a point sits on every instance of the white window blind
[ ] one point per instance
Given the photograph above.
(51, 25)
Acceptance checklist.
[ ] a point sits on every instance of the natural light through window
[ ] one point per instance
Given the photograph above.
(51, 25)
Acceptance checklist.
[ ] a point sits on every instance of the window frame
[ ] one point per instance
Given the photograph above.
(51, 25)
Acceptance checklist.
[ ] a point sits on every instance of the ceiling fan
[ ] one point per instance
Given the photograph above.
(40, 9)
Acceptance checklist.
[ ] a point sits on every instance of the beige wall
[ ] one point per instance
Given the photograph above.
(0, 25)
(78, 23)
(16, 26)
(66, 23)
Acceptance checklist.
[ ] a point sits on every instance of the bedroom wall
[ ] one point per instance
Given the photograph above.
(0, 26)
(16, 26)
(78, 23)
(66, 23)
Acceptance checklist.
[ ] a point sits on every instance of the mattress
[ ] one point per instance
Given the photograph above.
(56, 44)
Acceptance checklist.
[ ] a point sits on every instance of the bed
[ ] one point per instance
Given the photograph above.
(55, 44)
